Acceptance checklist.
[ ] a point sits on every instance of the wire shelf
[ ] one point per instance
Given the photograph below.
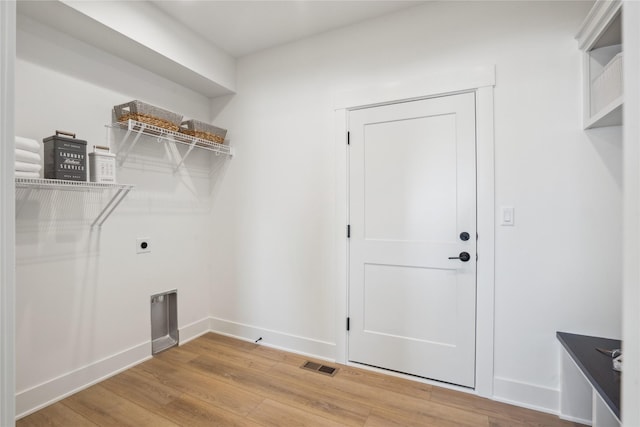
(62, 184)
(132, 126)
(120, 191)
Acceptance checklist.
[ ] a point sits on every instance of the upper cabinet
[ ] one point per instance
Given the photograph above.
(600, 40)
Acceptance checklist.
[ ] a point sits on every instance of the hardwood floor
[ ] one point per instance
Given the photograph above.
(219, 381)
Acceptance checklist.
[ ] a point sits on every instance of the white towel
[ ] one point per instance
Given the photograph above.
(27, 156)
(27, 144)
(20, 174)
(27, 167)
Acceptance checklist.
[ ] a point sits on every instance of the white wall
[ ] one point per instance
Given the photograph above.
(83, 296)
(559, 268)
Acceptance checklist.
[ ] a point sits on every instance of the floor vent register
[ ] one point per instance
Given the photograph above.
(321, 369)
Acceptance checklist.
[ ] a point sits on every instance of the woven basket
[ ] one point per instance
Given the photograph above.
(208, 133)
(149, 114)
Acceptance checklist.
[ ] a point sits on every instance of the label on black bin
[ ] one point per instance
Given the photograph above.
(71, 161)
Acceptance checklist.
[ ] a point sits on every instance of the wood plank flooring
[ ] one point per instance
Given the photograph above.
(220, 381)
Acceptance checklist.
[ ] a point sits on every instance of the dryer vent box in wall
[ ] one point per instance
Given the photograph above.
(164, 321)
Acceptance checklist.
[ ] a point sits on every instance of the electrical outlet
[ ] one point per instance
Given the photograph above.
(143, 245)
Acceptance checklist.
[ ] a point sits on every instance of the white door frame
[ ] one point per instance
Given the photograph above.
(7, 213)
(480, 80)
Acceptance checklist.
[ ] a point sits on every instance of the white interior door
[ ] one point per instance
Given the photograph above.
(412, 192)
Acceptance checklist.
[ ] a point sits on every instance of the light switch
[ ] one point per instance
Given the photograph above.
(507, 216)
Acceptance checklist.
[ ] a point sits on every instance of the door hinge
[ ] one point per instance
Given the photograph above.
(348, 231)
(476, 257)
(348, 138)
(348, 323)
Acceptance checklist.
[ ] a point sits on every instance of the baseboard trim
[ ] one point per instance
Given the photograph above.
(193, 330)
(49, 392)
(526, 395)
(292, 343)
(575, 420)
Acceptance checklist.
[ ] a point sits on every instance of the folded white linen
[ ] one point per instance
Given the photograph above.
(27, 167)
(21, 174)
(27, 156)
(27, 144)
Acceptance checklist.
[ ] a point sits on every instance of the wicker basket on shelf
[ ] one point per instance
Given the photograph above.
(149, 114)
(208, 133)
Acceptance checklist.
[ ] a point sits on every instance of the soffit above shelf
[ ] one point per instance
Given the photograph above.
(186, 60)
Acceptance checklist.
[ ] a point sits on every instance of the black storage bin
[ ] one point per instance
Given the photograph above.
(65, 158)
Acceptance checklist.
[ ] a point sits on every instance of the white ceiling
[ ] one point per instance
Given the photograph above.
(241, 27)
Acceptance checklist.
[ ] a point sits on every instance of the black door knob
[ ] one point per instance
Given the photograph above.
(464, 257)
(464, 236)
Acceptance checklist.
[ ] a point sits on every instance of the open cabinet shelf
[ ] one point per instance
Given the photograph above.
(136, 129)
(610, 115)
(120, 191)
(600, 39)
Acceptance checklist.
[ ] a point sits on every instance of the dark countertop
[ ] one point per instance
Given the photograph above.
(597, 367)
